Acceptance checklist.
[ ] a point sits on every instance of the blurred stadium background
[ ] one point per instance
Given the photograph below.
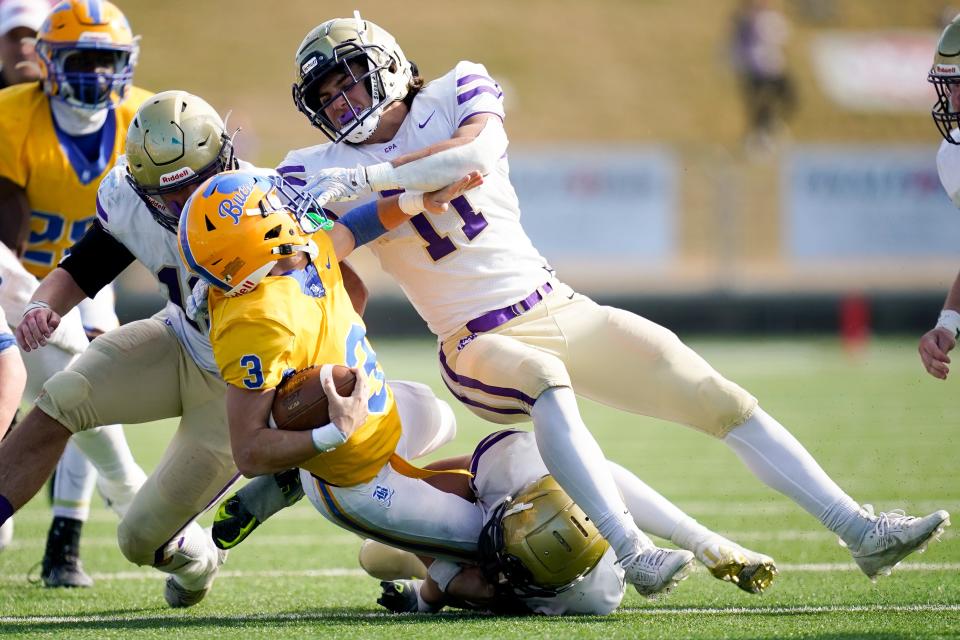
(627, 128)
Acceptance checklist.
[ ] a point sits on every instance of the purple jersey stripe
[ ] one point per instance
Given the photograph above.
(473, 93)
(485, 444)
(477, 113)
(474, 76)
(291, 168)
(470, 383)
(158, 555)
(480, 405)
(101, 211)
(297, 182)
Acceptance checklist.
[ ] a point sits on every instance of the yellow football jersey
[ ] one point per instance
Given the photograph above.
(291, 322)
(60, 182)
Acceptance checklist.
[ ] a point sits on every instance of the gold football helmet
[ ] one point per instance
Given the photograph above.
(364, 53)
(540, 542)
(945, 77)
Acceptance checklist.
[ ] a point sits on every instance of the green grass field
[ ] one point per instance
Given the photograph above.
(883, 429)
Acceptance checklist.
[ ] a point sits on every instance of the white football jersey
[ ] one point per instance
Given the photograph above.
(126, 217)
(948, 167)
(475, 257)
(502, 465)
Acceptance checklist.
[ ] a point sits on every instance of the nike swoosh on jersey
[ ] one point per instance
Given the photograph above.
(328, 262)
(424, 123)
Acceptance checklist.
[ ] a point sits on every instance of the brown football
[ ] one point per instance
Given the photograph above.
(301, 402)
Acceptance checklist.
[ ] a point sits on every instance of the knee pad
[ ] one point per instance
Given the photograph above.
(730, 404)
(134, 546)
(66, 398)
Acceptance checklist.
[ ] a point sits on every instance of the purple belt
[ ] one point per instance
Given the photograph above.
(493, 319)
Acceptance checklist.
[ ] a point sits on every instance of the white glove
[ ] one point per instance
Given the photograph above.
(196, 308)
(338, 184)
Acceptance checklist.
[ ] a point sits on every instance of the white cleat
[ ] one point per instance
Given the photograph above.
(893, 537)
(751, 571)
(179, 596)
(656, 571)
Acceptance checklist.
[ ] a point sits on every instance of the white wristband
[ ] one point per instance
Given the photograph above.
(950, 320)
(36, 304)
(411, 202)
(327, 438)
(382, 176)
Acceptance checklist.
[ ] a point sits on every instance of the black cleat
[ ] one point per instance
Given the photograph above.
(233, 523)
(399, 596)
(61, 566)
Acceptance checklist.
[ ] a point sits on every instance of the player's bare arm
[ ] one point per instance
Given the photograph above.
(360, 225)
(57, 294)
(355, 287)
(936, 344)
(259, 450)
(14, 216)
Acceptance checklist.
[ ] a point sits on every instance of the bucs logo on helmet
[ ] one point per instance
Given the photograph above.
(86, 54)
(238, 224)
(364, 55)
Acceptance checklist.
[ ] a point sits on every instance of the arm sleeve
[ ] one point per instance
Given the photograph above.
(477, 92)
(96, 259)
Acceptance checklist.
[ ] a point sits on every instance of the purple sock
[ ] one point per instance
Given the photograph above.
(6, 509)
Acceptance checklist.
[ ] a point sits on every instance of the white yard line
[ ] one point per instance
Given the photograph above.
(678, 611)
(337, 572)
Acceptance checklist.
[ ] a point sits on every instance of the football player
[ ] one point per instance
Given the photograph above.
(58, 138)
(277, 304)
(19, 22)
(539, 552)
(945, 77)
(162, 366)
(514, 341)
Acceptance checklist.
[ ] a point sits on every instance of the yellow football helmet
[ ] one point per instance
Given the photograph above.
(77, 42)
(175, 140)
(336, 46)
(945, 77)
(540, 543)
(237, 224)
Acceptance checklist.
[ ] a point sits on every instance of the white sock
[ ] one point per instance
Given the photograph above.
(193, 558)
(575, 460)
(120, 475)
(651, 512)
(781, 462)
(73, 484)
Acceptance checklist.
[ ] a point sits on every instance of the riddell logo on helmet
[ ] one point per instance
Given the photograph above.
(309, 64)
(946, 69)
(176, 176)
(93, 36)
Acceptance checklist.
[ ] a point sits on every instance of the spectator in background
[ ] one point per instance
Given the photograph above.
(760, 34)
(19, 20)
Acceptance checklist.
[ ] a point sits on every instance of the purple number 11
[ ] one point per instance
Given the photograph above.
(441, 246)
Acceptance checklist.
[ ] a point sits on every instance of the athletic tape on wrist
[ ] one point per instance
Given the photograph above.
(411, 202)
(35, 304)
(327, 438)
(950, 320)
(381, 176)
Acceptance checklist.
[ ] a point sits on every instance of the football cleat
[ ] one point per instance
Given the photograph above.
(179, 597)
(61, 566)
(753, 572)
(656, 571)
(893, 536)
(399, 596)
(233, 523)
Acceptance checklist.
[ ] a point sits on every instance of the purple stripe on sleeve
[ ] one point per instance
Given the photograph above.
(477, 113)
(297, 182)
(464, 97)
(470, 383)
(291, 168)
(473, 76)
(101, 211)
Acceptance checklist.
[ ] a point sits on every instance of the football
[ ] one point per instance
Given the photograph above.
(301, 402)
